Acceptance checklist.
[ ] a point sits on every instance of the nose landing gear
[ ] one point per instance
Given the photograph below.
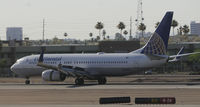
(102, 81)
(27, 82)
(79, 81)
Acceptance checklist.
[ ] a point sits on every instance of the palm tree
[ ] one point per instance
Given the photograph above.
(185, 29)
(104, 34)
(180, 30)
(125, 32)
(142, 28)
(99, 26)
(121, 26)
(65, 35)
(157, 23)
(91, 34)
(174, 24)
(98, 38)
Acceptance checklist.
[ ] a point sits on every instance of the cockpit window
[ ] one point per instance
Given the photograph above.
(20, 60)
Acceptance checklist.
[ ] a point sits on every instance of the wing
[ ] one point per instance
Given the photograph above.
(180, 54)
(74, 71)
(68, 70)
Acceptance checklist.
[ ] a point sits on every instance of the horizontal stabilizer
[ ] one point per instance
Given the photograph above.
(177, 58)
(180, 54)
(173, 56)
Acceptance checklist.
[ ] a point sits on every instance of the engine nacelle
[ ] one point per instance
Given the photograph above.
(52, 75)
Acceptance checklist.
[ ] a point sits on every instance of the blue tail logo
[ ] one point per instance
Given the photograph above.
(158, 42)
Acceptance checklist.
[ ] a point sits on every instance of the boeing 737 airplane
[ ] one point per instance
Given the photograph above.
(57, 67)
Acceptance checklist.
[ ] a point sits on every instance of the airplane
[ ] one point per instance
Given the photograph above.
(98, 66)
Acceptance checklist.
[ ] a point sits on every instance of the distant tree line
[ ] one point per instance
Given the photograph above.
(102, 35)
(181, 30)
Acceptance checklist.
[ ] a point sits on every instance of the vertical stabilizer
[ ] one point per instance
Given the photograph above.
(158, 42)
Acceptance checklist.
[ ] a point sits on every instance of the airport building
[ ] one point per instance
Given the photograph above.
(195, 28)
(14, 33)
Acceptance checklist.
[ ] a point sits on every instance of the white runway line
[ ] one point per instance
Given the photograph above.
(21, 86)
(110, 105)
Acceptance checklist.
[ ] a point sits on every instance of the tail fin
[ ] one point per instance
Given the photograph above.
(158, 42)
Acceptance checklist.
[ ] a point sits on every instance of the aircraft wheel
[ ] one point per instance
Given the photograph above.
(79, 81)
(27, 82)
(102, 80)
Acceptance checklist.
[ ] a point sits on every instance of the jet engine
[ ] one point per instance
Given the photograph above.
(52, 75)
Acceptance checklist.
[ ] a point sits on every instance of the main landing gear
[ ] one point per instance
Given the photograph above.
(27, 82)
(79, 81)
(102, 81)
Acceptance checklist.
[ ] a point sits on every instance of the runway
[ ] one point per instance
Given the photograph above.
(51, 95)
(13, 92)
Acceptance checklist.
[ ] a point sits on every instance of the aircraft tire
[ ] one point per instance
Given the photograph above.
(102, 81)
(79, 81)
(27, 82)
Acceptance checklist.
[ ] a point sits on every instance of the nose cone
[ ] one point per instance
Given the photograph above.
(13, 67)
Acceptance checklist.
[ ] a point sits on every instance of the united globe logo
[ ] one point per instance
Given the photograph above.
(154, 46)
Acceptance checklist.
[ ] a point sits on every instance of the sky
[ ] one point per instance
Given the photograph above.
(78, 17)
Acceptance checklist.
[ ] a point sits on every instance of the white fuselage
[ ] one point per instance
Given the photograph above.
(100, 64)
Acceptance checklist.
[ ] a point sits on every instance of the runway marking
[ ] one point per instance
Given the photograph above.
(95, 86)
(90, 94)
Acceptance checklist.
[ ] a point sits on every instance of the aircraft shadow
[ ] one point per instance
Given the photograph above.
(77, 86)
